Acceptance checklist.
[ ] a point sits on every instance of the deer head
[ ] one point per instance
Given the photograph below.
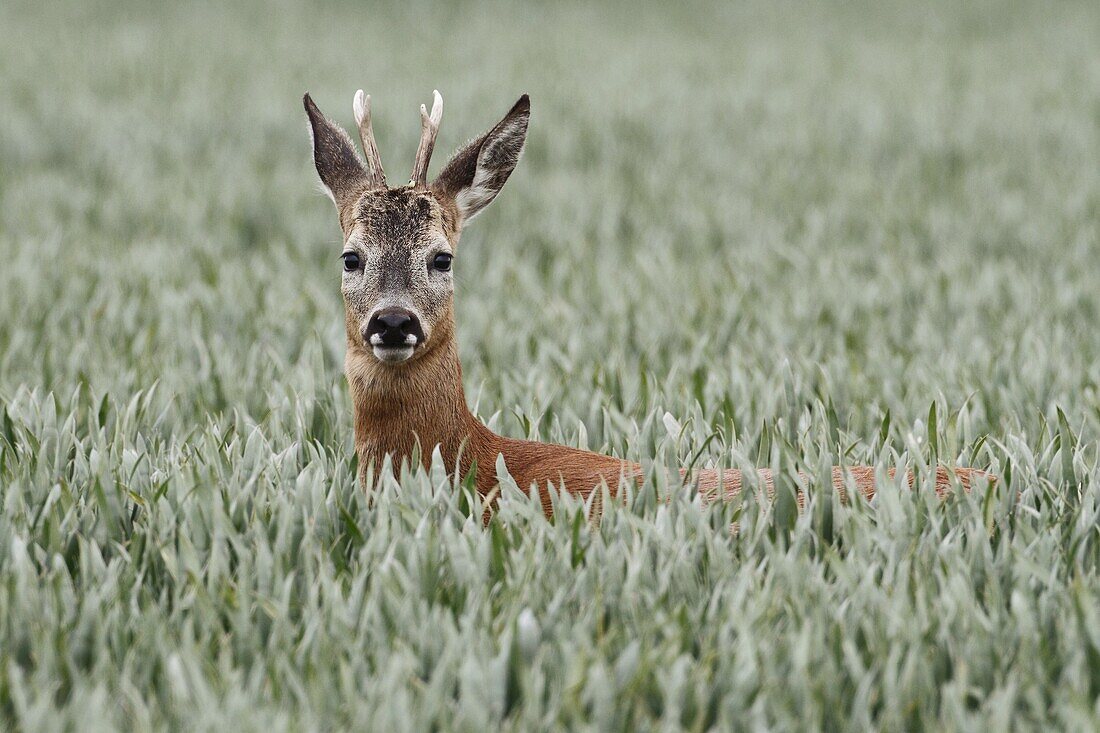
(399, 243)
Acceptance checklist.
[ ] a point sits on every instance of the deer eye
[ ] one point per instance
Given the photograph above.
(351, 261)
(442, 262)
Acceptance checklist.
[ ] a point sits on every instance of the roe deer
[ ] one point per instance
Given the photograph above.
(402, 360)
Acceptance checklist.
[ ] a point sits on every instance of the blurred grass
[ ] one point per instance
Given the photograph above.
(864, 232)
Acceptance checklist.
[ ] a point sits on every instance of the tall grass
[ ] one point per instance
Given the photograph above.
(764, 235)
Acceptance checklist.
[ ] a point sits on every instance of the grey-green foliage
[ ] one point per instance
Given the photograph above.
(775, 235)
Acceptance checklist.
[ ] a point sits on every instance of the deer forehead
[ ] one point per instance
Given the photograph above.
(396, 217)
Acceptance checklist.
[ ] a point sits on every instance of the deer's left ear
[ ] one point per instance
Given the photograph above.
(477, 172)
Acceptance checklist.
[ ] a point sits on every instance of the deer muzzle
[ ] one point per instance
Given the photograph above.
(393, 334)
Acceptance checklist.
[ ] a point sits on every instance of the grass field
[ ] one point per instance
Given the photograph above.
(777, 235)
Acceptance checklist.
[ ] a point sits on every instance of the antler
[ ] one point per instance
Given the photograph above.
(429, 128)
(361, 107)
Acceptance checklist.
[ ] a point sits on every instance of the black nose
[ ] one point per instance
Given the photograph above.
(393, 327)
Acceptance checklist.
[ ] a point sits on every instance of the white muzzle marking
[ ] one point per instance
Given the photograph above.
(393, 354)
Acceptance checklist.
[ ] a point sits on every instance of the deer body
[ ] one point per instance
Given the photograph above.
(402, 360)
(401, 428)
(412, 411)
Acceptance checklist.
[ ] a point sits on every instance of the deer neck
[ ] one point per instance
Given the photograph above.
(408, 410)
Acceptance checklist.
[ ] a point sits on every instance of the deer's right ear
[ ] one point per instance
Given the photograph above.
(341, 171)
(477, 172)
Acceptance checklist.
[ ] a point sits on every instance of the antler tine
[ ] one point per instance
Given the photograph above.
(361, 107)
(429, 128)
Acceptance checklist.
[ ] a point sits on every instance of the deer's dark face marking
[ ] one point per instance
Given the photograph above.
(397, 235)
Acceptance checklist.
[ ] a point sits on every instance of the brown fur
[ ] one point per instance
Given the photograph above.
(408, 409)
(434, 413)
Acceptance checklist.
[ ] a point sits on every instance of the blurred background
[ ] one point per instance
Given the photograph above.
(769, 233)
(885, 203)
